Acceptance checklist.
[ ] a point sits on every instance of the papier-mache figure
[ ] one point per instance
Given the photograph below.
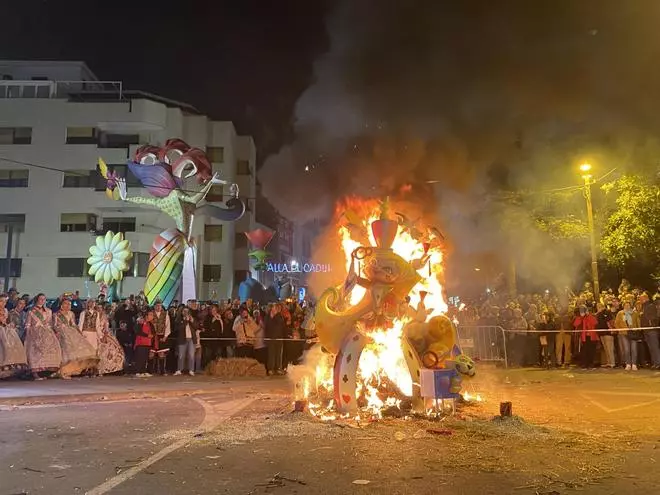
(162, 171)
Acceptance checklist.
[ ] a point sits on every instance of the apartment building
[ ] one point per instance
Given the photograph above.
(56, 120)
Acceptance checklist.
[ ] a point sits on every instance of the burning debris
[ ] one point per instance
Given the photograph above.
(383, 331)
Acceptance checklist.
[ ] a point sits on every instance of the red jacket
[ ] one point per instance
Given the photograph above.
(586, 323)
(144, 335)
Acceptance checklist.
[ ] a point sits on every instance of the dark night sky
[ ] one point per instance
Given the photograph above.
(241, 60)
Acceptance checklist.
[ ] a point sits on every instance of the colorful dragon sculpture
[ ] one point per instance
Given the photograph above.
(162, 171)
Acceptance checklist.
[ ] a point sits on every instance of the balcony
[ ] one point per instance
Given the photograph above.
(62, 89)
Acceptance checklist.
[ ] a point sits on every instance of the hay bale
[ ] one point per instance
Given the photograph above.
(235, 367)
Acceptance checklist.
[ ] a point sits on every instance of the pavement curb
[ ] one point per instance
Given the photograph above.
(40, 400)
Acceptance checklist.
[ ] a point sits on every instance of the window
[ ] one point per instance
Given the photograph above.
(109, 140)
(215, 194)
(138, 266)
(212, 273)
(243, 167)
(123, 224)
(81, 135)
(212, 233)
(78, 178)
(16, 221)
(14, 178)
(240, 240)
(122, 171)
(77, 222)
(216, 154)
(71, 267)
(15, 135)
(15, 268)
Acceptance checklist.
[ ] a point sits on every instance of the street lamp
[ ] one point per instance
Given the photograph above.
(585, 168)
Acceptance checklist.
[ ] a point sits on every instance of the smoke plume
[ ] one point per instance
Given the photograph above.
(474, 97)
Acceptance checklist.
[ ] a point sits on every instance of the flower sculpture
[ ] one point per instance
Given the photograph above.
(109, 257)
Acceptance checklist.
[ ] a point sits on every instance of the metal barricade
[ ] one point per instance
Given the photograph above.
(483, 343)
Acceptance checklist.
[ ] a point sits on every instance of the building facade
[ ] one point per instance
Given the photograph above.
(56, 120)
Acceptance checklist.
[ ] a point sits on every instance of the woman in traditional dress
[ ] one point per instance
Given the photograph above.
(17, 318)
(12, 353)
(77, 353)
(41, 345)
(111, 353)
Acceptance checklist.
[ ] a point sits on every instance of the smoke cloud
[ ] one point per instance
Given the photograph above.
(474, 97)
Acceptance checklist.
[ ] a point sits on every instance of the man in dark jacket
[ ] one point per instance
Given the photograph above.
(213, 329)
(548, 328)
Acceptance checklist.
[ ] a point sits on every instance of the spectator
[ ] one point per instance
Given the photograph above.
(126, 338)
(91, 324)
(76, 305)
(228, 344)
(125, 312)
(162, 329)
(260, 349)
(605, 317)
(276, 331)
(143, 343)
(629, 339)
(213, 329)
(245, 328)
(517, 338)
(563, 339)
(547, 339)
(587, 322)
(649, 319)
(17, 318)
(186, 331)
(12, 299)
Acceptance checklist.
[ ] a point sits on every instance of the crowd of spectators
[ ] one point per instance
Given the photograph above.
(184, 338)
(614, 329)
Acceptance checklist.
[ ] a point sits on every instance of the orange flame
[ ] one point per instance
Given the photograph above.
(382, 360)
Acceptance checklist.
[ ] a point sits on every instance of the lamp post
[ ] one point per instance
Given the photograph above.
(585, 168)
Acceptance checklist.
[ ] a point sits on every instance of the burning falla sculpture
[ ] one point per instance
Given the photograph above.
(347, 326)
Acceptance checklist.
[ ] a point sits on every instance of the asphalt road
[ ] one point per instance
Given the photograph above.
(592, 432)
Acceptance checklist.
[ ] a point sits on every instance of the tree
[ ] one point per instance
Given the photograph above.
(632, 229)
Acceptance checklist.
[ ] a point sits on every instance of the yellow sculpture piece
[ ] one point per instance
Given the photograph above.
(388, 280)
(436, 341)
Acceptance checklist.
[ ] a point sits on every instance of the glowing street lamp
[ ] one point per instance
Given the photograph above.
(585, 168)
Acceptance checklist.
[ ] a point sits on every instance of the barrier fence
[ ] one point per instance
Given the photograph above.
(483, 343)
(486, 343)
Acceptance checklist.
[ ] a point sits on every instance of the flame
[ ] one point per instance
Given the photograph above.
(468, 397)
(383, 375)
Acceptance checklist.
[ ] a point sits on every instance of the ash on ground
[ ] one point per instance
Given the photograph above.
(472, 440)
